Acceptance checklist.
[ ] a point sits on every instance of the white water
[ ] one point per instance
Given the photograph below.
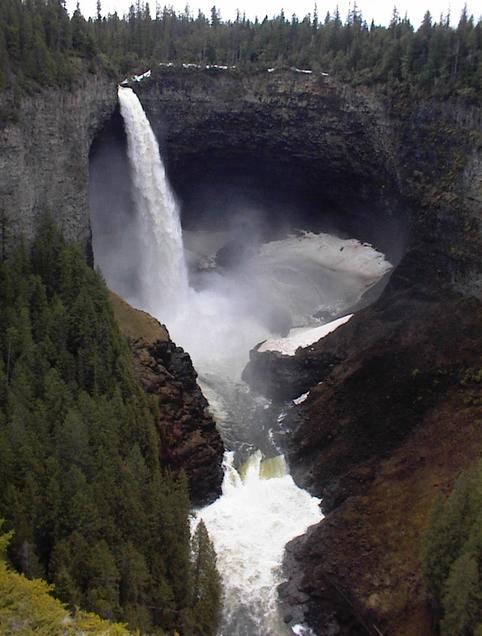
(163, 276)
(281, 282)
(260, 511)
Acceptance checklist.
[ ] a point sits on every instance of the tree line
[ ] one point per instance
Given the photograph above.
(40, 43)
(91, 508)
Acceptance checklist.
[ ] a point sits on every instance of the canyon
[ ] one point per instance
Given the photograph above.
(391, 416)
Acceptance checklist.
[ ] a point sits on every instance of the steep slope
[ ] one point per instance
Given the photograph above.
(189, 439)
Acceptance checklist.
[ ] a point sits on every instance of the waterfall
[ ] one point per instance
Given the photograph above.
(163, 282)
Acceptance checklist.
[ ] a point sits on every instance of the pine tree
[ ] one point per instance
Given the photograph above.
(206, 583)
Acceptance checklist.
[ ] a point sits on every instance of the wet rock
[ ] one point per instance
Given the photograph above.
(281, 377)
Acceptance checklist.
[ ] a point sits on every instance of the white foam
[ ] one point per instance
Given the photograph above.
(250, 526)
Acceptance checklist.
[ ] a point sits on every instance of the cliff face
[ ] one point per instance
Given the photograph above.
(44, 155)
(384, 166)
(189, 440)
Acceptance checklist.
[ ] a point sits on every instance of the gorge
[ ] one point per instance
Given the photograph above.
(386, 414)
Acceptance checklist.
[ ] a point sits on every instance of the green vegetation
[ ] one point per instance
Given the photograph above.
(206, 584)
(80, 480)
(38, 41)
(40, 44)
(27, 607)
(452, 556)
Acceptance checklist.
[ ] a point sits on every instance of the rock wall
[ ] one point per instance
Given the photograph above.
(401, 167)
(45, 139)
(189, 439)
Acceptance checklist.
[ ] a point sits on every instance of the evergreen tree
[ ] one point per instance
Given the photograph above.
(452, 554)
(80, 478)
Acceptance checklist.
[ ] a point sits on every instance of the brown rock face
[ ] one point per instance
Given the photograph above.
(386, 431)
(189, 439)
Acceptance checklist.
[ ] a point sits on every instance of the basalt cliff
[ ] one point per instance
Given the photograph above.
(392, 412)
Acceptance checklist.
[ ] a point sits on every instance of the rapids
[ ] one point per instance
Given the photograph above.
(260, 510)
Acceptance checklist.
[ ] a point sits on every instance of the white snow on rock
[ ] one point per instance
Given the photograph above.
(139, 78)
(301, 398)
(302, 630)
(220, 67)
(302, 337)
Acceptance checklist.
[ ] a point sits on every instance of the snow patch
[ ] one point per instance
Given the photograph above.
(220, 67)
(302, 337)
(301, 398)
(139, 78)
(302, 630)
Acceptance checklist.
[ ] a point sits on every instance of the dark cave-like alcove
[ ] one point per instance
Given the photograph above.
(224, 172)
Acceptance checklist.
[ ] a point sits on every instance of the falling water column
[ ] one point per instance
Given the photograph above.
(163, 287)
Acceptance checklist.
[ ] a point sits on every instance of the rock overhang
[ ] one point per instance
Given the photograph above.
(298, 146)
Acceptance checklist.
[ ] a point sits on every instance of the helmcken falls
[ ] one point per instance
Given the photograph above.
(282, 291)
(158, 223)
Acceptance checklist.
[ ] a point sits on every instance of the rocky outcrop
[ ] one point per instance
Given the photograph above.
(188, 435)
(45, 139)
(285, 377)
(383, 435)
